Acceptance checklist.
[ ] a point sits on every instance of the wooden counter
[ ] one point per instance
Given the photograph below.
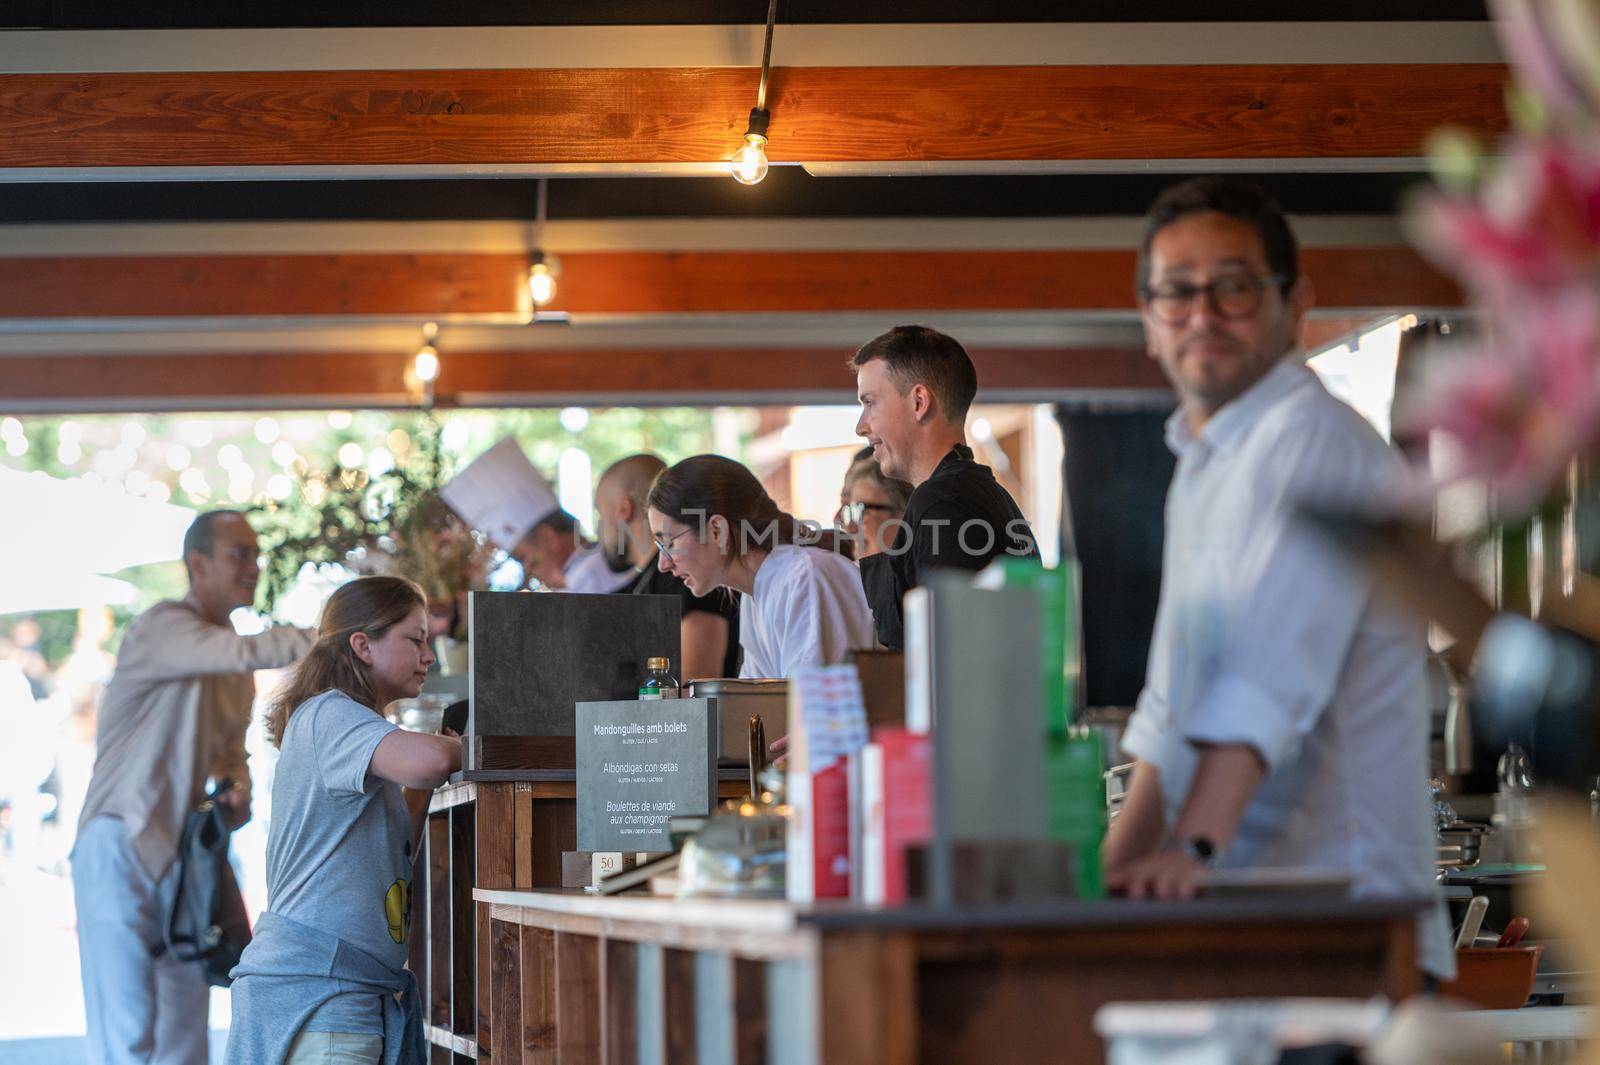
(498, 828)
(634, 979)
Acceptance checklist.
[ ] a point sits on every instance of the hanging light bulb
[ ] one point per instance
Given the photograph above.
(541, 280)
(426, 364)
(424, 368)
(749, 164)
(542, 268)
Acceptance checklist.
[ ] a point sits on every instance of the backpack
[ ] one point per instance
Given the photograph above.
(208, 922)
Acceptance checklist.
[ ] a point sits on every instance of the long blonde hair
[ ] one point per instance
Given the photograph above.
(372, 605)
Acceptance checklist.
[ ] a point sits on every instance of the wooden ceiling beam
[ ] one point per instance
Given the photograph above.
(650, 283)
(491, 118)
(159, 286)
(68, 383)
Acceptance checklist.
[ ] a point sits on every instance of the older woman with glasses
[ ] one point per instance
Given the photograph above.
(868, 502)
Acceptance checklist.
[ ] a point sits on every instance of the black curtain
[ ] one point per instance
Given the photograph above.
(1117, 469)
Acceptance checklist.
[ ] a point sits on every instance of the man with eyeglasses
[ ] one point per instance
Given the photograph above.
(1283, 721)
(174, 714)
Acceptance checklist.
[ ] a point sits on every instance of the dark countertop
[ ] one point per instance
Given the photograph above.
(1254, 907)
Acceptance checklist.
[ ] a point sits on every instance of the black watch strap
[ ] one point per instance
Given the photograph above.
(1200, 849)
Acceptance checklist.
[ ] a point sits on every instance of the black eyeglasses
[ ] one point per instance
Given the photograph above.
(665, 545)
(1233, 295)
(851, 513)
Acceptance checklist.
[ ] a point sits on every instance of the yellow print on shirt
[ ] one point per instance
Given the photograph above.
(397, 910)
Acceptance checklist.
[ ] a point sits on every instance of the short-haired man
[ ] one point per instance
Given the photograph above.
(708, 632)
(173, 717)
(1283, 720)
(915, 386)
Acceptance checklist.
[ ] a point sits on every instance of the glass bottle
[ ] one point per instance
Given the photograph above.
(1514, 804)
(659, 683)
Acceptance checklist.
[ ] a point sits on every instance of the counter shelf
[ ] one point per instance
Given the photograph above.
(503, 827)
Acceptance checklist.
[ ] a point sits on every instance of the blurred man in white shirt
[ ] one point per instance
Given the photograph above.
(174, 716)
(1283, 720)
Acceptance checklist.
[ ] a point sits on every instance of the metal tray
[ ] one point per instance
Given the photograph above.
(736, 701)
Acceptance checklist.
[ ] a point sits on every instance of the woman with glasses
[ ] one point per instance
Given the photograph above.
(716, 527)
(868, 501)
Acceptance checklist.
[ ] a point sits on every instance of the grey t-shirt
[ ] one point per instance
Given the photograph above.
(339, 850)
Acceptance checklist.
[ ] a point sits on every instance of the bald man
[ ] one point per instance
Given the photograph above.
(709, 633)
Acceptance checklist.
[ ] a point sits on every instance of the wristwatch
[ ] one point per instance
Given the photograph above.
(1200, 849)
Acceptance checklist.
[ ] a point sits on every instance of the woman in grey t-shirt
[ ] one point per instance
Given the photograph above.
(324, 977)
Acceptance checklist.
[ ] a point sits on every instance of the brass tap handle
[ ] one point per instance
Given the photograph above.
(758, 754)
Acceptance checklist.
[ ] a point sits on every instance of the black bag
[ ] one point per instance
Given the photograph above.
(207, 922)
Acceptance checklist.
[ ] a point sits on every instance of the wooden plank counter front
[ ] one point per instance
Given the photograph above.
(632, 980)
(498, 828)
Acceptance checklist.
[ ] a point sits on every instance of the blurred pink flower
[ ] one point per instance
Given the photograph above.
(1526, 245)
(1520, 410)
(1535, 223)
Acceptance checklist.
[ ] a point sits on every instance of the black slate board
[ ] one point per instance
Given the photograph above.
(639, 763)
(536, 655)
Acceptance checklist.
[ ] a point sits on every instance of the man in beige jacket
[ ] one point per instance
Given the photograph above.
(173, 717)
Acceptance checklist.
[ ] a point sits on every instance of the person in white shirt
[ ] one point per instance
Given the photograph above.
(1283, 720)
(716, 527)
(174, 714)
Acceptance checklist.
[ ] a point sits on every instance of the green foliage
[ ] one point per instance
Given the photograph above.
(396, 522)
(344, 517)
(57, 630)
(333, 512)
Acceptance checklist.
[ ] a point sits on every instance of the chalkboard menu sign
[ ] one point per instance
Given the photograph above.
(639, 763)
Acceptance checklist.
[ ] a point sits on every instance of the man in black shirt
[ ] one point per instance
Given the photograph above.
(709, 631)
(915, 386)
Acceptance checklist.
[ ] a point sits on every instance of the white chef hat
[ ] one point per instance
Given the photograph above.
(501, 494)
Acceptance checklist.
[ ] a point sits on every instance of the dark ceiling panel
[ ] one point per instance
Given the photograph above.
(788, 192)
(188, 14)
(797, 194)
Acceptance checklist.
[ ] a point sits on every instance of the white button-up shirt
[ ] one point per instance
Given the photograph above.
(1265, 636)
